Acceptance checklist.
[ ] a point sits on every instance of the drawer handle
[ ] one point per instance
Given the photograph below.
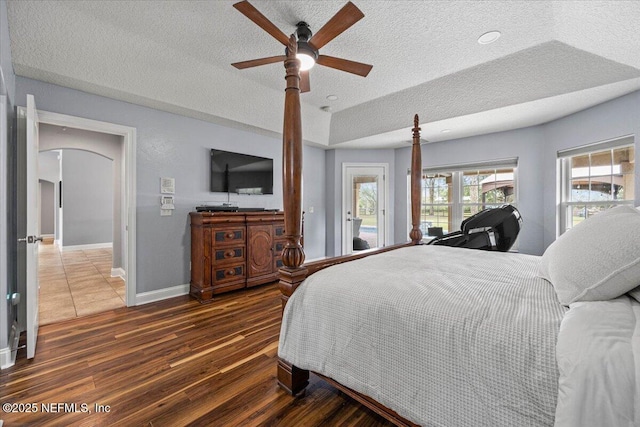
(229, 254)
(230, 235)
(230, 272)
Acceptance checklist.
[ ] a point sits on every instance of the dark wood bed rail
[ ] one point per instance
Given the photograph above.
(315, 266)
(291, 378)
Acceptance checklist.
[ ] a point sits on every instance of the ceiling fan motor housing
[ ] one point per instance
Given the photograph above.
(303, 32)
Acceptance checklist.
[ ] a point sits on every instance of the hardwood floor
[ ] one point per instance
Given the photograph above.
(171, 363)
(76, 283)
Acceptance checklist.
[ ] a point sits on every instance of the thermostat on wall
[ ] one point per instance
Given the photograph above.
(167, 185)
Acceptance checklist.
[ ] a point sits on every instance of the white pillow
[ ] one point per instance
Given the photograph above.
(598, 259)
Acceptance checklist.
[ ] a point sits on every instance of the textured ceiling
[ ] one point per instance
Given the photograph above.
(554, 58)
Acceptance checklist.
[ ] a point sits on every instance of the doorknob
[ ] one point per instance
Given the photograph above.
(30, 239)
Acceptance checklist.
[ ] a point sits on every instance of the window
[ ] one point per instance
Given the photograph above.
(595, 178)
(452, 194)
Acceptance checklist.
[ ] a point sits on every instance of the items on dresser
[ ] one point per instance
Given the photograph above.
(234, 250)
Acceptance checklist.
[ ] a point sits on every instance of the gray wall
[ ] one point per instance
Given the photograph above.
(49, 170)
(47, 207)
(169, 145)
(49, 166)
(314, 197)
(609, 120)
(87, 198)
(536, 147)
(526, 144)
(334, 161)
(8, 254)
(109, 146)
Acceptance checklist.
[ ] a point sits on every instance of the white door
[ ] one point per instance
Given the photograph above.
(364, 207)
(29, 213)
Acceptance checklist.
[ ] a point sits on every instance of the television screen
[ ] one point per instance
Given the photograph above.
(240, 173)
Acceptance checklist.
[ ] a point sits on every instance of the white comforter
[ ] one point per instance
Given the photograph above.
(466, 339)
(598, 355)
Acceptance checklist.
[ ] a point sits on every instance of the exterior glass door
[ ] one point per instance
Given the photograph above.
(364, 209)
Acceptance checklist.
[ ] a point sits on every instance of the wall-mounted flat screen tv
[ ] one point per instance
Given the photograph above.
(240, 173)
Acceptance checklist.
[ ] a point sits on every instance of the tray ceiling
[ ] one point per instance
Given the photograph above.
(552, 59)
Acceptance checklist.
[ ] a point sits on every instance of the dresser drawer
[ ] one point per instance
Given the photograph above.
(227, 236)
(228, 255)
(278, 246)
(278, 231)
(228, 273)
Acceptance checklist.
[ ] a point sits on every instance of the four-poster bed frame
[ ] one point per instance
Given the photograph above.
(293, 379)
(400, 342)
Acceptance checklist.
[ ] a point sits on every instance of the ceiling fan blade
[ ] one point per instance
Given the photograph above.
(254, 14)
(345, 65)
(255, 62)
(346, 17)
(305, 86)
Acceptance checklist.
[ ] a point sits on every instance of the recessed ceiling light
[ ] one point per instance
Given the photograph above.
(445, 130)
(489, 37)
(326, 108)
(332, 97)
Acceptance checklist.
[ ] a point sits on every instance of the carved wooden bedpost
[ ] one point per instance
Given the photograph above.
(416, 174)
(291, 378)
(293, 254)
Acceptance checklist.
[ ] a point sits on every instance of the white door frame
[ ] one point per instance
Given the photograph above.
(346, 203)
(128, 195)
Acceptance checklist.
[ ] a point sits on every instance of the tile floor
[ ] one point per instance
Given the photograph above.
(76, 283)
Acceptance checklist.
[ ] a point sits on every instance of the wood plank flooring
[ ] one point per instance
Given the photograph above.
(171, 363)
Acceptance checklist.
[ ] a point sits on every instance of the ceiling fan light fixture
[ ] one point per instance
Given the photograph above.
(308, 44)
(306, 55)
(306, 61)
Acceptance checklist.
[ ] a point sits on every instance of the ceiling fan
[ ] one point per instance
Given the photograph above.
(308, 43)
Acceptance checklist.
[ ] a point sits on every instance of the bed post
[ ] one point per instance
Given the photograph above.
(416, 174)
(291, 378)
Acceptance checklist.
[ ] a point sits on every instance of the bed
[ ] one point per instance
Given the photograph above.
(438, 336)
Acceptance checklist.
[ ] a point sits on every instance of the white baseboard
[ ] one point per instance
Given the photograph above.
(87, 247)
(7, 358)
(8, 354)
(152, 296)
(119, 272)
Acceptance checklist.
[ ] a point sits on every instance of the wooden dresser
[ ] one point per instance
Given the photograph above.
(234, 250)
